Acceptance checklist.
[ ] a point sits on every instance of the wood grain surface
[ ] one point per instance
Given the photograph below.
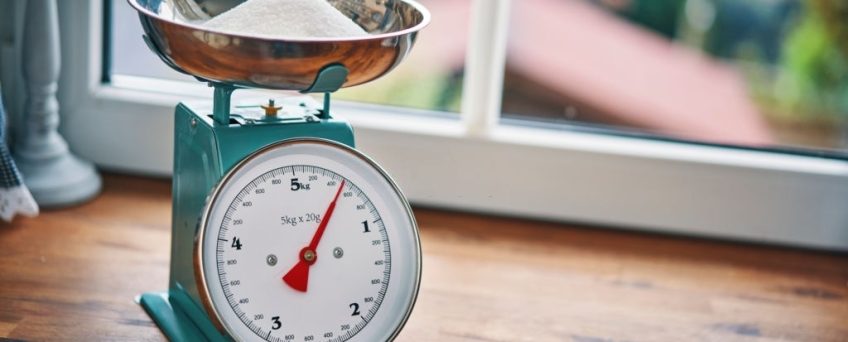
(72, 274)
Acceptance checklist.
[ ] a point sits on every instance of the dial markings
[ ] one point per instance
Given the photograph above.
(275, 183)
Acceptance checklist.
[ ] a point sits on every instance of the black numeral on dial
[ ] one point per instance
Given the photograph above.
(297, 185)
(276, 324)
(236, 243)
(365, 225)
(355, 308)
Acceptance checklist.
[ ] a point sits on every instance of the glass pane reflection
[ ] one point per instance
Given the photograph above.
(764, 73)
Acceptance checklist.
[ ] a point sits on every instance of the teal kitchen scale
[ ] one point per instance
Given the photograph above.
(281, 230)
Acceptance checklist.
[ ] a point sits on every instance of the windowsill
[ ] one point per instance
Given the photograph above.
(443, 125)
(75, 272)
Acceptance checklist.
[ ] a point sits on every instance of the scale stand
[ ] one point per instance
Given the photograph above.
(177, 311)
(216, 143)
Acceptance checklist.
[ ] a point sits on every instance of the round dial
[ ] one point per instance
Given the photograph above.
(308, 240)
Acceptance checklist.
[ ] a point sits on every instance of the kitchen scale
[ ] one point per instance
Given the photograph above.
(281, 230)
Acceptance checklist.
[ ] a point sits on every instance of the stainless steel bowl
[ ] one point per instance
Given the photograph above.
(173, 29)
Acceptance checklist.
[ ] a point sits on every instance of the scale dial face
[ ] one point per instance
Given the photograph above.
(308, 240)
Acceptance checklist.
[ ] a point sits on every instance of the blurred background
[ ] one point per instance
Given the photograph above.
(756, 74)
(759, 73)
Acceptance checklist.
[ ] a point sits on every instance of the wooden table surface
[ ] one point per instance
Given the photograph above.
(72, 274)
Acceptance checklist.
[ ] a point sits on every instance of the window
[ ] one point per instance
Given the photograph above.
(482, 162)
(757, 74)
(431, 76)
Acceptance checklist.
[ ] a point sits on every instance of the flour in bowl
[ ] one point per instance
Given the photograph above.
(286, 18)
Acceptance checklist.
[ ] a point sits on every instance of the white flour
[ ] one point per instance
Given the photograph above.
(286, 18)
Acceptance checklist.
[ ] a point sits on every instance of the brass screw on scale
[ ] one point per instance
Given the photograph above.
(270, 109)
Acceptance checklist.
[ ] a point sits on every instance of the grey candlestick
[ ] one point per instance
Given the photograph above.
(53, 174)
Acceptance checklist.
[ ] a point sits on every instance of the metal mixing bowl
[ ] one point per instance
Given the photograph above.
(174, 31)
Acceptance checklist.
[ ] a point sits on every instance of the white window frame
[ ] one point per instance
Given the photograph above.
(478, 164)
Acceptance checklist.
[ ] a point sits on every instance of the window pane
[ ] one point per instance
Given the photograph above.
(129, 55)
(764, 73)
(429, 78)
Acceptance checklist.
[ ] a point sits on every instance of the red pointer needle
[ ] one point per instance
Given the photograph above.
(298, 276)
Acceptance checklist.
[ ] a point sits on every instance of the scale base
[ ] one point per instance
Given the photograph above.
(168, 310)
